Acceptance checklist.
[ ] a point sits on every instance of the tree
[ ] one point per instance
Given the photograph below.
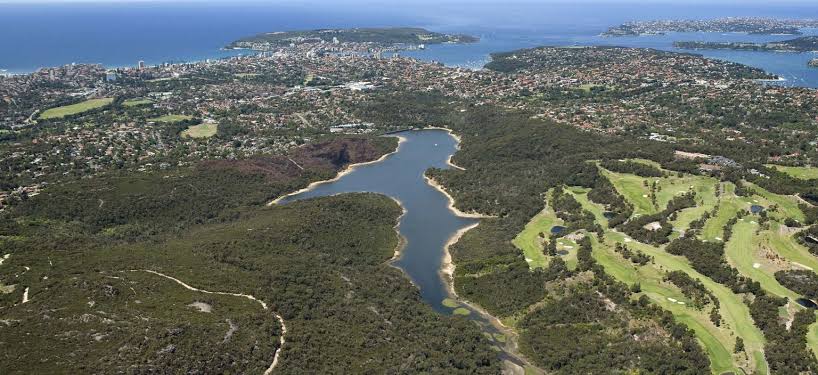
(739, 345)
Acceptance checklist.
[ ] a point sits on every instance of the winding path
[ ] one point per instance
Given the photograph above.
(262, 303)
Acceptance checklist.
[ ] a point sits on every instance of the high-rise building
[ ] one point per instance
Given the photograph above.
(141, 64)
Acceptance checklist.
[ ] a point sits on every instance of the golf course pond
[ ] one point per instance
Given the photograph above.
(428, 223)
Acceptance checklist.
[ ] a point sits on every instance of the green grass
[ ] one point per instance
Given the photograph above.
(136, 102)
(451, 303)
(804, 173)
(73, 109)
(633, 189)
(564, 244)
(201, 131)
(461, 311)
(581, 195)
(170, 118)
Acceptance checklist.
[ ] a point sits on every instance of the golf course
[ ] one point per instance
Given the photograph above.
(759, 244)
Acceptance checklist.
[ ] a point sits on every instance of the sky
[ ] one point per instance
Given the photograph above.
(337, 2)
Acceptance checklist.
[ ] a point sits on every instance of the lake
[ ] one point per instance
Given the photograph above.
(427, 223)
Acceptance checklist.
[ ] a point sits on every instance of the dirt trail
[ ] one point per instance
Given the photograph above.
(250, 297)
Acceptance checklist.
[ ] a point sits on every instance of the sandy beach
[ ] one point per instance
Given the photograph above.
(401, 239)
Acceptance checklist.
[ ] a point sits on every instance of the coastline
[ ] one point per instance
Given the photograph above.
(471, 215)
(347, 170)
(447, 268)
(510, 347)
(402, 241)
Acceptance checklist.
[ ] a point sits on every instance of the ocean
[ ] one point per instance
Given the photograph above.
(123, 33)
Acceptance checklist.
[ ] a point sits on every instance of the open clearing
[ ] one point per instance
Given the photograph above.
(201, 130)
(170, 118)
(805, 173)
(73, 109)
(136, 102)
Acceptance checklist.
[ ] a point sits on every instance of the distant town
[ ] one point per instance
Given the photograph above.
(750, 25)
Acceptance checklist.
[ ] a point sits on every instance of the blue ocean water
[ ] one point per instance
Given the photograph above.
(121, 34)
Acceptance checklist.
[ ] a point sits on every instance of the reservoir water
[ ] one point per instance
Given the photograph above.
(427, 223)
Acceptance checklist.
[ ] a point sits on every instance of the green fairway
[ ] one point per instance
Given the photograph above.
(529, 240)
(170, 118)
(581, 195)
(788, 248)
(742, 253)
(729, 205)
(637, 189)
(136, 102)
(787, 206)
(804, 173)
(632, 187)
(812, 338)
(74, 109)
(201, 131)
(569, 246)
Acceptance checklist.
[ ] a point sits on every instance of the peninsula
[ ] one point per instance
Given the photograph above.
(813, 63)
(371, 37)
(802, 44)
